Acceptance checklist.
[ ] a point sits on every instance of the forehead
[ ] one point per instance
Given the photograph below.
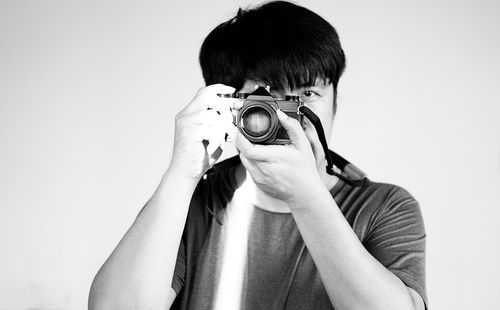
(250, 85)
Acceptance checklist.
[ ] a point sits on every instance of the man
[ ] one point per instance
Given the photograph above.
(314, 240)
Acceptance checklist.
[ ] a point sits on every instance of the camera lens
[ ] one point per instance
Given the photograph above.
(256, 121)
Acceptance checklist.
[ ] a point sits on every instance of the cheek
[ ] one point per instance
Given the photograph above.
(326, 119)
(312, 136)
(327, 127)
(327, 122)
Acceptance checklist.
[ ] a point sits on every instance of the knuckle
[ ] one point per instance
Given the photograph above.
(218, 85)
(293, 121)
(250, 153)
(208, 89)
(201, 90)
(179, 120)
(178, 116)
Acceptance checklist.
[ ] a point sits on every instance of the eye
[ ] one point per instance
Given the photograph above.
(309, 94)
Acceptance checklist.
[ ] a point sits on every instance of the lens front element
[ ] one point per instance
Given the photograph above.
(256, 121)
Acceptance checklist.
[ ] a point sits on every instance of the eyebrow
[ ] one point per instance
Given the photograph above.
(320, 82)
(306, 86)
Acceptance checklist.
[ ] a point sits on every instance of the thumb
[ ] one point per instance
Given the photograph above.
(292, 127)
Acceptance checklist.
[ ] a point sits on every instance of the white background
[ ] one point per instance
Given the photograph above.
(89, 90)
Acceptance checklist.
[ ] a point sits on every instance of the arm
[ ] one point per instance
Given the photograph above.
(138, 274)
(341, 258)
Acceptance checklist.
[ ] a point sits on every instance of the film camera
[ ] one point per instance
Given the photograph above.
(256, 118)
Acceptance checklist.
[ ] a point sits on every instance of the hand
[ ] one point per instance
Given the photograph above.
(200, 133)
(286, 172)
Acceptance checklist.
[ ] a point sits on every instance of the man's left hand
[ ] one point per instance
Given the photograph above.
(286, 172)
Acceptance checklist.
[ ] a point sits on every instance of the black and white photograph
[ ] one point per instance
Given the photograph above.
(249, 154)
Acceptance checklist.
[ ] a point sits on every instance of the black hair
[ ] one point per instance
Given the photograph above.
(279, 43)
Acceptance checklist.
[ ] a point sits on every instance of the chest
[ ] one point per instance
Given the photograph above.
(260, 263)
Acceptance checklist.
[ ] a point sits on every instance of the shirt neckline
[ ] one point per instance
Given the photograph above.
(333, 191)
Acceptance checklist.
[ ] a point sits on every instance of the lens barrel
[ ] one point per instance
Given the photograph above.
(258, 122)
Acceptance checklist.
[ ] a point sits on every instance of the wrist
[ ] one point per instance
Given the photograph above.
(186, 168)
(310, 192)
(175, 185)
(181, 175)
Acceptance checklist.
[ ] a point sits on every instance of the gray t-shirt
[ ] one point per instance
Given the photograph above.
(279, 270)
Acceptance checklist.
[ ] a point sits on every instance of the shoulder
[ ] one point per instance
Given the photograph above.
(387, 196)
(224, 171)
(392, 195)
(377, 194)
(367, 207)
(398, 205)
(395, 199)
(222, 179)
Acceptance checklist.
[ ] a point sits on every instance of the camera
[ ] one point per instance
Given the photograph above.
(256, 117)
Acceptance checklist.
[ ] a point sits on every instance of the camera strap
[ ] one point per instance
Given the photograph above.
(352, 175)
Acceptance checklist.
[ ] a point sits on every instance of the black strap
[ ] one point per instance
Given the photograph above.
(321, 135)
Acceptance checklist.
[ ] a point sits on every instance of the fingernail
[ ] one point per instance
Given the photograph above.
(282, 116)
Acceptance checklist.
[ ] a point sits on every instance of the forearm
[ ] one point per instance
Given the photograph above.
(353, 278)
(138, 274)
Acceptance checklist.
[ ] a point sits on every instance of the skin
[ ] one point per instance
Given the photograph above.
(138, 273)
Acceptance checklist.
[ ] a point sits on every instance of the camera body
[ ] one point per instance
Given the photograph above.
(256, 117)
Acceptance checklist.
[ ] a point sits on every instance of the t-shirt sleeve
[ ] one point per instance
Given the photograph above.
(181, 264)
(211, 194)
(397, 239)
(179, 276)
(218, 188)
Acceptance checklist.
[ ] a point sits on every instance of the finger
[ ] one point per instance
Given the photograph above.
(223, 109)
(219, 89)
(244, 146)
(292, 127)
(202, 132)
(215, 135)
(219, 115)
(232, 130)
(255, 152)
(223, 126)
(205, 118)
(249, 166)
(207, 96)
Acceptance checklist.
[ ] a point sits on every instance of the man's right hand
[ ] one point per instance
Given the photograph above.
(200, 132)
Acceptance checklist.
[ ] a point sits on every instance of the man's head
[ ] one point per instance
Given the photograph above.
(278, 44)
(287, 47)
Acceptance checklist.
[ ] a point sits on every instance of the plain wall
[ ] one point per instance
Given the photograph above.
(89, 90)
